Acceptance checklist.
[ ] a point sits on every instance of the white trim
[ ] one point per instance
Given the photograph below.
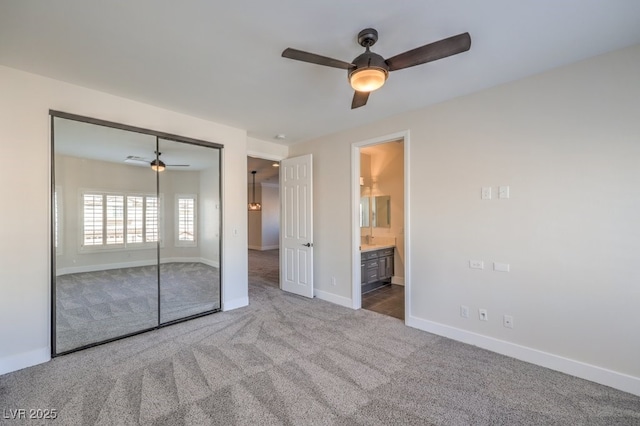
(149, 262)
(24, 360)
(407, 226)
(209, 262)
(575, 368)
(58, 208)
(263, 248)
(262, 155)
(333, 298)
(235, 304)
(397, 280)
(356, 290)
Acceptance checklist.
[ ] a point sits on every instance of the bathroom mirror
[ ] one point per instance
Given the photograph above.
(381, 211)
(135, 230)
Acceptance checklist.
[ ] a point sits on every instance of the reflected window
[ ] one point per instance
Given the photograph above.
(186, 220)
(104, 220)
(142, 219)
(57, 219)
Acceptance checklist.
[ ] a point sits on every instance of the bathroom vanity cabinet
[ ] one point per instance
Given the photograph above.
(376, 268)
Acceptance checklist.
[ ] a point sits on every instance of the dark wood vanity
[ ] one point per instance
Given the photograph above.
(376, 268)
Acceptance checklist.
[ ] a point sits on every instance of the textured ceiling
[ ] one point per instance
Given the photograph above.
(221, 60)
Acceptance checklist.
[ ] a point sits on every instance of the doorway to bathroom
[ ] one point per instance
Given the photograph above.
(380, 222)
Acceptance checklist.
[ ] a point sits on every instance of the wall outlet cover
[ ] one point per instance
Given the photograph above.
(507, 321)
(464, 311)
(476, 264)
(483, 315)
(486, 193)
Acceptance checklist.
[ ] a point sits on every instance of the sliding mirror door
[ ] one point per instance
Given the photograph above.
(190, 253)
(105, 255)
(134, 246)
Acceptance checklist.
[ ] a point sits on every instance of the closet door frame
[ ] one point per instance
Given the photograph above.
(158, 135)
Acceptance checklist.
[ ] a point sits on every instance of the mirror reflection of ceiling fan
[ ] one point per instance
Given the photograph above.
(155, 163)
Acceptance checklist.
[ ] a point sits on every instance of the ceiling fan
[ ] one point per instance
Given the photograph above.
(369, 71)
(156, 164)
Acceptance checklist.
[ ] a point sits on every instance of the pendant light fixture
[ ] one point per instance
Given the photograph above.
(254, 206)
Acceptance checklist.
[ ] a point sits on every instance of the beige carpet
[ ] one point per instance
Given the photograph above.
(288, 360)
(97, 306)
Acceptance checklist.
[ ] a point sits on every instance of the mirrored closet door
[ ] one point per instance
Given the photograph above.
(135, 230)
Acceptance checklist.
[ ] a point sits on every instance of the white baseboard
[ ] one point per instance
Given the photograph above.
(333, 298)
(212, 263)
(397, 280)
(24, 360)
(134, 264)
(263, 248)
(575, 368)
(235, 304)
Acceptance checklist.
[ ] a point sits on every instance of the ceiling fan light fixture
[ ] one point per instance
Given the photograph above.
(368, 79)
(158, 165)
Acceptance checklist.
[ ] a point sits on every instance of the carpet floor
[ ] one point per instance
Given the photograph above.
(288, 360)
(97, 306)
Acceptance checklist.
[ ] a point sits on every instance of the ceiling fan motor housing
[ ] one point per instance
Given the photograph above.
(368, 60)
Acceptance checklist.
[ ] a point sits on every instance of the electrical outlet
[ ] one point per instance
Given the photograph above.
(464, 311)
(503, 192)
(476, 264)
(486, 193)
(333, 280)
(484, 316)
(507, 321)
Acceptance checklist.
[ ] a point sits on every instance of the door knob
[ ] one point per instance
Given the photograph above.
(308, 245)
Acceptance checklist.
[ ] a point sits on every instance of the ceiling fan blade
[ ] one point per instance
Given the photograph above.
(359, 99)
(136, 160)
(430, 52)
(178, 165)
(300, 55)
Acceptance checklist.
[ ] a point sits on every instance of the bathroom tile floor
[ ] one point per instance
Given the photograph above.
(387, 300)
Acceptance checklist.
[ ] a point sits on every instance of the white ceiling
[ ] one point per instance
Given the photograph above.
(221, 60)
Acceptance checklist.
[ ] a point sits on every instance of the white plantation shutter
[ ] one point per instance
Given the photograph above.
(112, 220)
(151, 219)
(135, 221)
(92, 219)
(115, 219)
(186, 220)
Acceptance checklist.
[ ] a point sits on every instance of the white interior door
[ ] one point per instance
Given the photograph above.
(296, 235)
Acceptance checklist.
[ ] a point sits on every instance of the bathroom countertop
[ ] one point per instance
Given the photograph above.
(370, 247)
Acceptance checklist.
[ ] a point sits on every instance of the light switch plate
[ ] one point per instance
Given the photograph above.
(501, 267)
(503, 192)
(486, 193)
(476, 264)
